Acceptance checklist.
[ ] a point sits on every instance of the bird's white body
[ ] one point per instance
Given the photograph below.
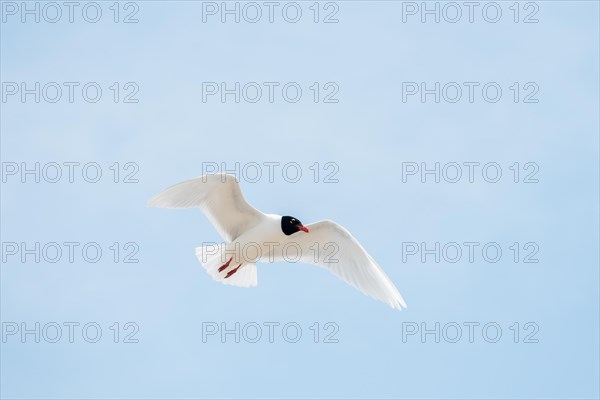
(261, 237)
(255, 245)
(252, 236)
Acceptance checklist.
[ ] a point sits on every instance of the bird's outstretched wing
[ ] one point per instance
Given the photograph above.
(219, 197)
(331, 246)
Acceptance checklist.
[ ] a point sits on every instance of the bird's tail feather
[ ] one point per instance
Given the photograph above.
(245, 276)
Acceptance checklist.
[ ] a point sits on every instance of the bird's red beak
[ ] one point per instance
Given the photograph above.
(303, 228)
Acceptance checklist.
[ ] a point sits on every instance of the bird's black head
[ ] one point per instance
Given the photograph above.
(290, 225)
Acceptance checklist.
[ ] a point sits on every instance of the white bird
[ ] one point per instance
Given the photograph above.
(253, 236)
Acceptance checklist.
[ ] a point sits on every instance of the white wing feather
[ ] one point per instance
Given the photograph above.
(219, 197)
(350, 261)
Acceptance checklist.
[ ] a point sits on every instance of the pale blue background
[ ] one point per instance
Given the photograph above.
(369, 133)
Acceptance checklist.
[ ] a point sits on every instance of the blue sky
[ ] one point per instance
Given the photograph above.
(369, 133)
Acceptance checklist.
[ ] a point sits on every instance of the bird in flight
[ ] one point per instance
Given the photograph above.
(252, 236)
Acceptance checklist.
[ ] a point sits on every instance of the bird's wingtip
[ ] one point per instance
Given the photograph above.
(400, 305)
(153, 202)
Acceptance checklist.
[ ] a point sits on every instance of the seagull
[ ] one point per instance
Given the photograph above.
(252, 236)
